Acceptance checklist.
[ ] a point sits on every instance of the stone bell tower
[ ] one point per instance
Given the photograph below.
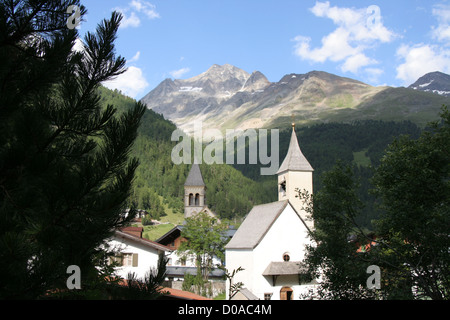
(194, 192)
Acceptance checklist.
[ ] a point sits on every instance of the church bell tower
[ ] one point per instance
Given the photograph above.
(295, 173)
(194, 192)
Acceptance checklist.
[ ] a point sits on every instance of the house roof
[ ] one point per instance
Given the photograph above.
(194, 178)
(170, 235)
(145, 242)
(180, 271)
(295, 160)
(256, 224)
(248, 294)
(180, 294)
(277, 268)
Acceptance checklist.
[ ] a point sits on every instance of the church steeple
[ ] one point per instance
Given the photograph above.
(295, 173)
(194, 192)
(295, 160)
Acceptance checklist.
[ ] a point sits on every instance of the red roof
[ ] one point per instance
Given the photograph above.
(183, 294)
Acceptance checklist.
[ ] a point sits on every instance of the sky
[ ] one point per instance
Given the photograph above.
(391, 42)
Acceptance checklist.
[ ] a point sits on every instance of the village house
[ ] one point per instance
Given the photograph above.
(135, 254)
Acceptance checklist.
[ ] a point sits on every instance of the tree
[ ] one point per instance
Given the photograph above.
(413, 186)
(65, 170)
(233, 288)
(333, 257)
(205, 239)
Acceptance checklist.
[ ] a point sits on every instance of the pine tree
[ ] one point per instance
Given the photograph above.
(65, 170)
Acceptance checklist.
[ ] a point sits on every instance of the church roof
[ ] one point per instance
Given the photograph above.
(295, 160)
(256, 224)
(194, 177)
(278, 268)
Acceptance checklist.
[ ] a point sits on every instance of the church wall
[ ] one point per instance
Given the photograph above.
(296, 179)
(235, 258)
(287, 235)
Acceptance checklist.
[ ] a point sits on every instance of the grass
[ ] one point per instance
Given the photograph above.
(156, 231)
(171, 216)
(361, 159)
(220, 296)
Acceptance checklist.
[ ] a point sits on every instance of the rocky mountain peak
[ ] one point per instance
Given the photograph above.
(435, 82)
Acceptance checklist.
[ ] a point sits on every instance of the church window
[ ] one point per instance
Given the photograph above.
(191, 199)
(267, 296)
(197, 199)
(286, 256)
(283, 187)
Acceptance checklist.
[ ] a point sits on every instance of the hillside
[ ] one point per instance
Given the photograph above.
(159, 182)
(226, 97)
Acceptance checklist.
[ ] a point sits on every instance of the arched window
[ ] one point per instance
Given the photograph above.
(286, 256)
(191, 199)
(197, 199)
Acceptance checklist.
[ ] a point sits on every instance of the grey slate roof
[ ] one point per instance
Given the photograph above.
(248, 294)
(256, 224)
(277, 268)
(180, 271)
(295, 160)
(194, 177)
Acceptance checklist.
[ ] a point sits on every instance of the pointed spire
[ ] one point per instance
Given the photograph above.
(295, 160)
(194, 177)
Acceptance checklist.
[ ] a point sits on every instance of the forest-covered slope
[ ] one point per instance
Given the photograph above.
(233, 190)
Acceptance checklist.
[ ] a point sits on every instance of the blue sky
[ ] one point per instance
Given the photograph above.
(378, 42)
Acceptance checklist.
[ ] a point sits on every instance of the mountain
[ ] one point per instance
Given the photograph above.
(435, 82)
(228, 97)
(233, 190)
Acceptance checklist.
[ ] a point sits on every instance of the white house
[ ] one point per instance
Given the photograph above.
(270, 243)
(135, 254)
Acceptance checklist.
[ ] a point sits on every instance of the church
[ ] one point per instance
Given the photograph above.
(270, 243)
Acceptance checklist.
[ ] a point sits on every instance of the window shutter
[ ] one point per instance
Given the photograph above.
(135, 259)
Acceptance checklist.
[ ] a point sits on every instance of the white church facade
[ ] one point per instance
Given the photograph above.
(270, 243)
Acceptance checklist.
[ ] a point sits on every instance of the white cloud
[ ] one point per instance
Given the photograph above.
(442, 31)
(132, 13)
(355, 62)
(135, 57)
(131, 20)
(131, 83)
(357, 30)
(421, 59)
(373, 74)
(146, 7)
(179, 73)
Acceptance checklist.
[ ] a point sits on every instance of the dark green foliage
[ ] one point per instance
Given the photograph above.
(413, 185)
(65, 171)
(412, 232)
(333, 256)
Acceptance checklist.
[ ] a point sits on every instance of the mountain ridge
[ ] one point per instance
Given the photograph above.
(226, 97)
